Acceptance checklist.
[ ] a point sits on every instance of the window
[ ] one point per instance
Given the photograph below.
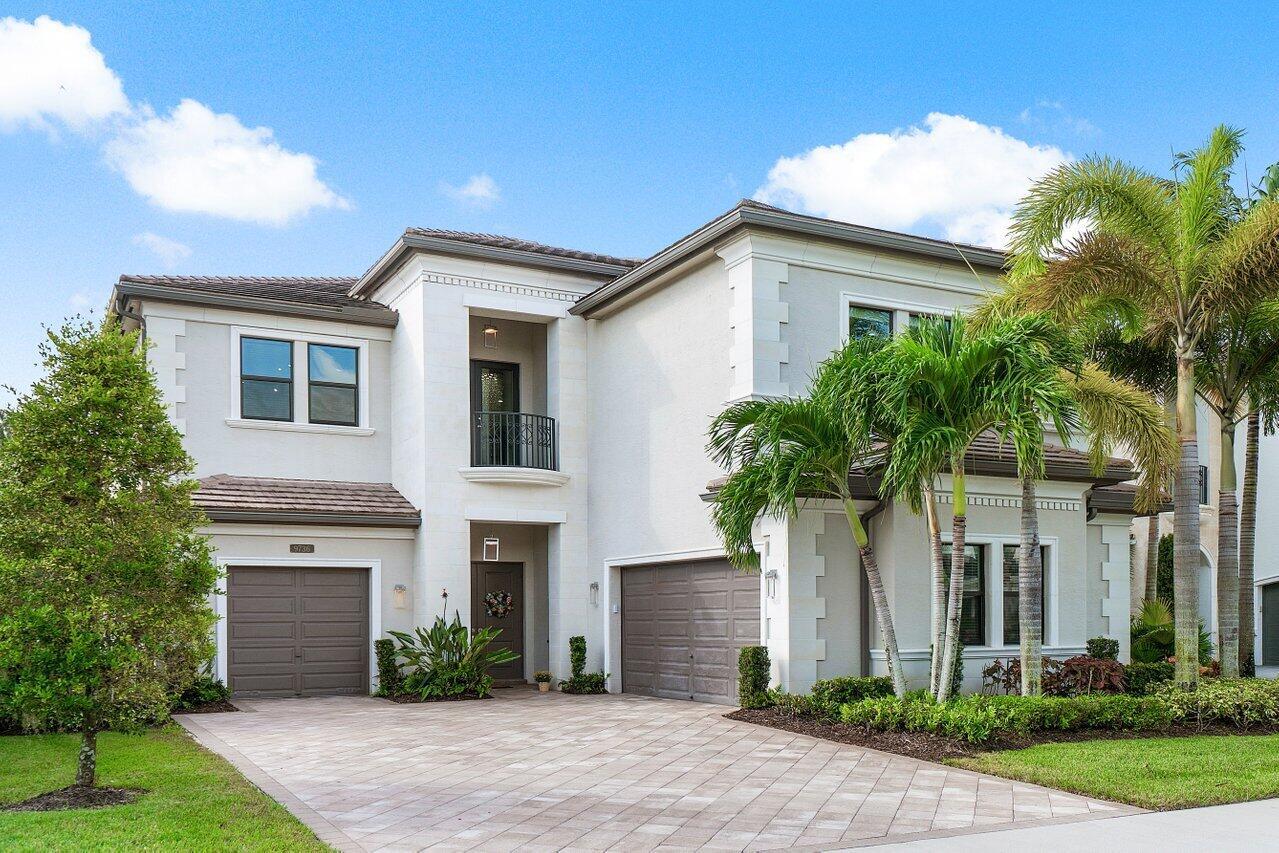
(1203, 485)
(866, 322)
(333, 380)
(1012, 595)
(972, 613)
(266, 379)
(915, 318)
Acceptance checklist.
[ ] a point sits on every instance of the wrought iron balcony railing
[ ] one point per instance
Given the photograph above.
(515, 440)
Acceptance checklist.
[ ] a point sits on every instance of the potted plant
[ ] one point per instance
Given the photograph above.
(543, 679)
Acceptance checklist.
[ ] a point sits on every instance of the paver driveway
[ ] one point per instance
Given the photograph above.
(550, 771)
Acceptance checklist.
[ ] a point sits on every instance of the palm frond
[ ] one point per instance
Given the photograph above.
(1245, 266)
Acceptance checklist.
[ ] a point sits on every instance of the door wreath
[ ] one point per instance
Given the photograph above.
(498, 604)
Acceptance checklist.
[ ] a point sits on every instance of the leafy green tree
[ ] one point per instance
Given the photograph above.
(1167, 258)
(104, 582)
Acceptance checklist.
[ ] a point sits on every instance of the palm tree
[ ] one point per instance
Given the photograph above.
(942, 385)
(781, 452)
(1167, 257)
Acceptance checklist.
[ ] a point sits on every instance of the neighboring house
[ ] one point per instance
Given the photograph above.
(480, 416)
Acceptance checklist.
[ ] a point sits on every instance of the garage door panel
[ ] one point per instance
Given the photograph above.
(682, 626)
(297, 631)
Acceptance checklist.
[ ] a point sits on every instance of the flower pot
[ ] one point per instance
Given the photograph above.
(544, 687)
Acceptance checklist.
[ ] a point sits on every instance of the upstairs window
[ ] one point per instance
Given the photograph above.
(866, 322)
(333, 383)
(266, 379)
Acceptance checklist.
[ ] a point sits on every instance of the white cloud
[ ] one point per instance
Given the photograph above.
(953, 177)
(51, 72)
(170, 252)
(197, 161)
(80, 300)
(479, 191)
(1052, 117)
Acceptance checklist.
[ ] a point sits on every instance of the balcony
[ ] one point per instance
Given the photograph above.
(515, 448)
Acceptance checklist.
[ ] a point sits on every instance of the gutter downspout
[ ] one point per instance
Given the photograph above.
(122, 308)
(863, 597)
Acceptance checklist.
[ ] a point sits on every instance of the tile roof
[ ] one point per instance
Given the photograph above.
(498, 241)
(316, 290)
(224, 497)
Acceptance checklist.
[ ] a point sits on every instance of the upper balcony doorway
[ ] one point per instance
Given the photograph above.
(501, 434)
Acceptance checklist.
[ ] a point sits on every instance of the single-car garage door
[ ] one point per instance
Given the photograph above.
(682, 624)
(297, 631)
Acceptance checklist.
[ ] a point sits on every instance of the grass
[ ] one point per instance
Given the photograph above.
(1153, 773)
(196, 801)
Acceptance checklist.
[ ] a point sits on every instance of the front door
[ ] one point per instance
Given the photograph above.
(497, 601)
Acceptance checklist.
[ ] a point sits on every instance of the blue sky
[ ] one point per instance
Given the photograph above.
(589, 126)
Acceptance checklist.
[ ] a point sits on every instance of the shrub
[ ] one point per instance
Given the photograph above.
(752, 677)
(977, 719)
(1006, 677)
(1163, 569)
(1142, 678)
(390, 681)
(830, 693)
(543, 676)
(1103, 648)
(1244, 703)
(581, 681)
(1153, 634)
(791, 704)
(1081, 675)
(448, 661)
(204, 690)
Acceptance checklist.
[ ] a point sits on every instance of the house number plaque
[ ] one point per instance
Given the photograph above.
(301, 549)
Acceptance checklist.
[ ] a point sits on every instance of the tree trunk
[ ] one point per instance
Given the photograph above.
(1185, 525)
(958, 534)
(1228, 558)
(1152, 558)
(87, 765)
(1030, 594)
(878, 597)
(939, 588)
(1247, 545)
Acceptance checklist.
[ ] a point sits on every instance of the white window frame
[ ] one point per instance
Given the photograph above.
(994, 604)
(301, 382)
(901, 309)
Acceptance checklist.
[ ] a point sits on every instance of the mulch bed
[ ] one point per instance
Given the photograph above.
(220, 707)
(929, 747)
(77, 797)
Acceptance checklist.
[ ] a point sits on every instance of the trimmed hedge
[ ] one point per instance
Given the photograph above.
(1103, 648)
(829, 694)
(390, 680)
(1143, 678)
(977, 719)
(1244, 703)
(753, 672)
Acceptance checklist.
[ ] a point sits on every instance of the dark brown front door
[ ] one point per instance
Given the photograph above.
(297, 631)
(500, 579)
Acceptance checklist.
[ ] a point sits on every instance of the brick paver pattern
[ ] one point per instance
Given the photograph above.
(551, 771)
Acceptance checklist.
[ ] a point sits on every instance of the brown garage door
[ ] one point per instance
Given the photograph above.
(682, 624)
(297, 632)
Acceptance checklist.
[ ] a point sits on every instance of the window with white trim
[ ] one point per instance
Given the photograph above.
(298, 380)
(266, 379)
(867, 322)
(333, 384)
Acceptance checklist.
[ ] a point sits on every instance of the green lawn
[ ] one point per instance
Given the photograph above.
(1154, 773)
(196, 801)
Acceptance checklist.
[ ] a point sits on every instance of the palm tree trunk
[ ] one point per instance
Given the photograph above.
(1185, 525)
(878, 597)
(1030, 592)
(1152, 558)
(1248, 544)
(1228, 558)
(87, 762)
(939, 587)
(959, 530)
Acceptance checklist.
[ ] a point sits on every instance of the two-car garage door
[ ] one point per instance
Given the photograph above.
(682, 626)
(297, 631)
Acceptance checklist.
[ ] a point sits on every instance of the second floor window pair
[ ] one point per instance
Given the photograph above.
(868, 322)
(266, 382)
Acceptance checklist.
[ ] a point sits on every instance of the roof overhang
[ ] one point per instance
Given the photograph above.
(744, 216)
(410, 243)
(372, 315)
(315, 518)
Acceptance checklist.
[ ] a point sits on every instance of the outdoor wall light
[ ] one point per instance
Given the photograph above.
(595, 594)
(400, 594)
(490, 549)
(490, 336)
(770, 583)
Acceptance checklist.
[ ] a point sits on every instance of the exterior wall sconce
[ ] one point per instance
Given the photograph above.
(770, 583)
(595, 594)
(490, 549)
(400, 595)
(490, 336)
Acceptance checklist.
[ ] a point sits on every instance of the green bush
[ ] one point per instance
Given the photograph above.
(791, 704)
(581, 681)
(753, 673)
(829, 694)
(543, 676)
(1163, 569)
(1103, 648)
(204, 690)
(577, 656)
(390, 681)
(448, 661)
(977, 718)
(1244, 703)
(1144, 677)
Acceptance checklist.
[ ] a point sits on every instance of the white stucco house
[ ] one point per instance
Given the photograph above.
(516, 432)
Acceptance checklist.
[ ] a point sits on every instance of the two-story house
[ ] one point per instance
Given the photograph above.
(516, 432)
